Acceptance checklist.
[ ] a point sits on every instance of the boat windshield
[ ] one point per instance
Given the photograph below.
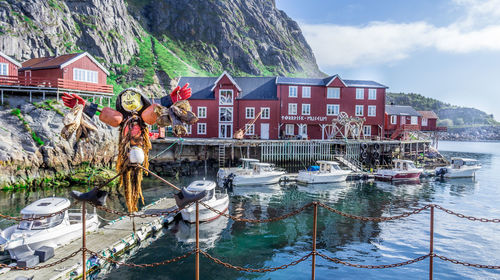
(471, 163)
(411, 165)
(48, 222)
(335, 167)
(25, 224)
(209, 195)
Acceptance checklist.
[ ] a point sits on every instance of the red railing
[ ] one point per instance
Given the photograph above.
(54, 83)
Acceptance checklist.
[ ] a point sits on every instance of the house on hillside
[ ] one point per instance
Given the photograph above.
(429, 120)
(399, 119)
(77, 71)
(8, 65)
(290, 107)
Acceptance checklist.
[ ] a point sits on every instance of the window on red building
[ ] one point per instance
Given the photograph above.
(202, 112)
(367, 130)
(360, 93)
(372, 94)
(306, 109)
(83, 75)
(292, 108)
(226, 97)
(332, 109)
(189, 129)
(250, 129)
(225, 114)
(372, 111)
(333, 93)
(266, 113)
(359, 110)
(4, 69)
(289, 129)
(306, 92)
(394, 119)
(292, 91)
(249, 112)
(202, 128)
(424, 121)
(414, 120)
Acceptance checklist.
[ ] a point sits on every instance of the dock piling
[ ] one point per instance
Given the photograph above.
(84, 240)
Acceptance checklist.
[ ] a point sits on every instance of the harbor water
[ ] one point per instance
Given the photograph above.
(368, 243)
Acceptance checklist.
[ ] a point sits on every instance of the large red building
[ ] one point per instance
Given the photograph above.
(291, 107)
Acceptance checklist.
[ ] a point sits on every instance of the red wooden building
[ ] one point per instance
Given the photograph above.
(291, 107)
(79, 71)
(429, 121)
(400, 119)
(8, 65)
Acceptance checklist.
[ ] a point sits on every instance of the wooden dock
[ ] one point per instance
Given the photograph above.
(116, 237)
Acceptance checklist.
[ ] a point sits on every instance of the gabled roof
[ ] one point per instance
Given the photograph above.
(401, 110)
(327, 81)
(230, 78)
(261, 88)
(15, 62)
(58, 62)
(428, 114)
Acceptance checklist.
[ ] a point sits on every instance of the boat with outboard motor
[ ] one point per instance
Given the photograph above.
(23, 239)
(260, 174)
(326, 172)
(402, 170)
(459, 168)
(228, 173)
(214, 199)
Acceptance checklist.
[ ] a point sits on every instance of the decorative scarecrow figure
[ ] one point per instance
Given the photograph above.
(133, 113)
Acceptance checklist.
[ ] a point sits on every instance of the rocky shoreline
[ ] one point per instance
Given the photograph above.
(482, 133)
(32, 152)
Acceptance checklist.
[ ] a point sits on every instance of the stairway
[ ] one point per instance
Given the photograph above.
(356, 167)
(222, 155)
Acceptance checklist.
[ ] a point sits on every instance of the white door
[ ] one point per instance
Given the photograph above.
(264, 131)
(225, 131)
(403, 120)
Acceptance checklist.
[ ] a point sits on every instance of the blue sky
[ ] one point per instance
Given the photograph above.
(445, 49)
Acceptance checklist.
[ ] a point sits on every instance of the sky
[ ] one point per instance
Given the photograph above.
(444, 49)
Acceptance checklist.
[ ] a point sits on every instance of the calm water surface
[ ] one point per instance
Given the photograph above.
(278, 243)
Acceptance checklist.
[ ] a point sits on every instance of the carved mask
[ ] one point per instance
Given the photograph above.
(131, 101)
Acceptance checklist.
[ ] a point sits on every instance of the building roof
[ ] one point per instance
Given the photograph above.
(251, 87)
(15, 62)
(60, 61)
(325, 81)
(401, 110)
(428, 114)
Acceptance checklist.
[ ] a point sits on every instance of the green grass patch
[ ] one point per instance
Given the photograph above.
(56, 5)
(17, 112)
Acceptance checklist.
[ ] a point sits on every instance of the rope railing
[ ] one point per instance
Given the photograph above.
(312, 253)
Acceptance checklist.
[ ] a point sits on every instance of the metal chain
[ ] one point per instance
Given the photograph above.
(293, 213)
(35, 218)
(268, 269)
(141, 265)
(471, 218)
(43, 266)
(404, 215)
(335, 260)
(466, 263)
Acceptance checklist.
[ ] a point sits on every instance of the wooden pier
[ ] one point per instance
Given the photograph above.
(113, 239)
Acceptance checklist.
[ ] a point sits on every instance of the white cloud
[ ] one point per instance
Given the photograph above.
(382, 42)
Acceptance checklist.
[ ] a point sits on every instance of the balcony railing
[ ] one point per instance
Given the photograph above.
(54, 83)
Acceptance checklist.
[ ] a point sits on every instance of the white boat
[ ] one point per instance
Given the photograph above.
(460, 167)
(209, 232)
(23, 239)
(224, 173)
(260, 174)
(403, 170)
(216, 200)
(329, 172)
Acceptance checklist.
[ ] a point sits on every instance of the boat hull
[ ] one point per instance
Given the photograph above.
(459, 173)
(189, 214)
(397, 176)
(264, 179)
(318, 178)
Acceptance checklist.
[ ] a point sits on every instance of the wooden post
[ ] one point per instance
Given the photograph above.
(43, 95)
(431, 245)
(31, 98)
(84, 237)
(314, 241)
(2, 97)
(197, 240)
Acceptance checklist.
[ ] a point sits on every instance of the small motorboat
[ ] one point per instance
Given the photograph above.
(403, 170)
(328, 172)
(227, 173)
(260, 174)
(214, 199)
(459, 168)
(23, 239)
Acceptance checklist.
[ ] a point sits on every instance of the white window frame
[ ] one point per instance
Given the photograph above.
(425, 122)
(84, 75)
(394, 119)
(372, 94)
(4, 69)
(308, 106)
(289, 129)
(224, 101)
(250, 129)
(292, 108)
(367, 128)
(202, 112)
(189, 129)
(335, 112)
(372, 111)
(226, 108)
(293, 92)
(264, 115)
(414, 120)
(201, 128)
(360, 93)
(249, 113)
(306, 92)
(359, 109)
(333, 93)
(302, 129)
(403, 120)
